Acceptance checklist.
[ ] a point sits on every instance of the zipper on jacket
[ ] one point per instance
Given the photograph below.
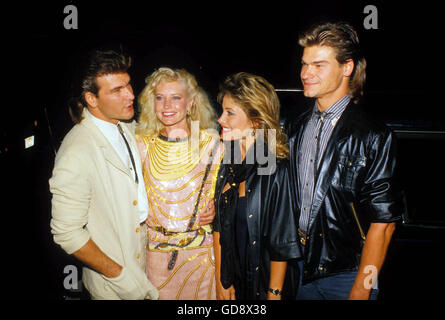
(362, 234)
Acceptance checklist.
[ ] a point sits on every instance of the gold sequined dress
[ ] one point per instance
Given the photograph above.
(173, 174)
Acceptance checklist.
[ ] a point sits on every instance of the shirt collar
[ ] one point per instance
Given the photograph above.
(337, 108)
(109, 129)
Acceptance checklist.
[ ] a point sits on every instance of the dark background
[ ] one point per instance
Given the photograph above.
(211, 41)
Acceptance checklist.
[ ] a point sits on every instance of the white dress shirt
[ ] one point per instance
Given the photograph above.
(111, 132)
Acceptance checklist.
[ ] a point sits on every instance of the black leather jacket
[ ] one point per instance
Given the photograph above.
(354, 187)
(271, 227)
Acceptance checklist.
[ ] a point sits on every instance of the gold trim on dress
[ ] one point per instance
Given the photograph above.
(174, 189)
(179, 267)
(188, 277)
(152, 200)
(163, 163)
(155, 198)
(173, 160)
(198, 285)
(179, 240)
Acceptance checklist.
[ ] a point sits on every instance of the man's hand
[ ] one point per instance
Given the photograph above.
(207, 216)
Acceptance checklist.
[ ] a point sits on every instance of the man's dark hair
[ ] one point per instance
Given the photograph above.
(97, 63)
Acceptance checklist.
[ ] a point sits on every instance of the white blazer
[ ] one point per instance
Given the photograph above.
(95, 196)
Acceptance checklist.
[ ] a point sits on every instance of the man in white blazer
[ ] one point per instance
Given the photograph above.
(99, 202)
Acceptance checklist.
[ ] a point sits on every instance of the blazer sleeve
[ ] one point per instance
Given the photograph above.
(281, 230)
(71, 193)
(381, 195)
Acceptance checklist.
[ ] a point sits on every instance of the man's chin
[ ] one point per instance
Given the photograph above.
(127, 118)
(309, 94)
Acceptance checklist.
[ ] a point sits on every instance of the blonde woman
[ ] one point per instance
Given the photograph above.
(255, 231)
(180, 151)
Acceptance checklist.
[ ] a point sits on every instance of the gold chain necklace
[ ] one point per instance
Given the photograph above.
(170, 160)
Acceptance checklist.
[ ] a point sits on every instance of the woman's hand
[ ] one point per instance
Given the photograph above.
(221, 293)
(206, 217)
(224, 294)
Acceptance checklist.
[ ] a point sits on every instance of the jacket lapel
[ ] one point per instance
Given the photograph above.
(108, 151)
(329, 161)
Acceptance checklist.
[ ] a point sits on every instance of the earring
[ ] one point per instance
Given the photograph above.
(188, 113)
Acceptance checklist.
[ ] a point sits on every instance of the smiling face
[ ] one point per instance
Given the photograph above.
(234, 121)
(172, 101)
(323, 77)
(114, 100)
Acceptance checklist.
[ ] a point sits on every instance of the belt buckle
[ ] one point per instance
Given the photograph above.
(303, 237)
(164, 231)
(303, 241)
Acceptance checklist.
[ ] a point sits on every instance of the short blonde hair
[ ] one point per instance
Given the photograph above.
(201, 110)
(257, 97)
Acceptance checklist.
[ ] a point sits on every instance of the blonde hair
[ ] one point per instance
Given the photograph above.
(344, 40)
(201, 110)
(258, 99)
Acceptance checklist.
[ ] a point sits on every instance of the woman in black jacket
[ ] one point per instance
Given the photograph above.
(255, 233)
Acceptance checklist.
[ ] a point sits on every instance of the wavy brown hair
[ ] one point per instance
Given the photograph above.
(257, 97)
(342, 37)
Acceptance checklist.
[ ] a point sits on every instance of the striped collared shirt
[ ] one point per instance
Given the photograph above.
(308, 152)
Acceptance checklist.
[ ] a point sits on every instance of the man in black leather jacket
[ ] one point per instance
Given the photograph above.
(342, 166)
